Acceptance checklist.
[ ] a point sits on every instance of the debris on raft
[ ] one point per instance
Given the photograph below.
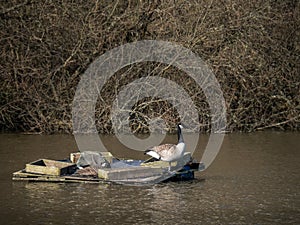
(102, 167)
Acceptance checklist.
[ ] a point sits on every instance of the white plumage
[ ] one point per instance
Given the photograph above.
(169, 152)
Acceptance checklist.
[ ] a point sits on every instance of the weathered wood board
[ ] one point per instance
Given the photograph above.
(24, 176)
(128, 173)
(50, 167)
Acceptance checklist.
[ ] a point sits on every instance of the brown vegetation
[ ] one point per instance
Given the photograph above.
(253, 48)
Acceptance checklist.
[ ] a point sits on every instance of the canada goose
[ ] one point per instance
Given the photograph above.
(168, 152)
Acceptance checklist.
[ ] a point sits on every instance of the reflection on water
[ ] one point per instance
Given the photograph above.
(254, 180)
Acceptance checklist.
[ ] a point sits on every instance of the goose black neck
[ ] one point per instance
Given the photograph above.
(179, 133)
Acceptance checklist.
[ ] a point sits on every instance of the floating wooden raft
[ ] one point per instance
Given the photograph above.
(145, 171)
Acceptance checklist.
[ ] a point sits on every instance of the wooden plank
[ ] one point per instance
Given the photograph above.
(50, 167)
(64, 179)
(83, 179)
(128, 173)
(42, 170)
(22, 173)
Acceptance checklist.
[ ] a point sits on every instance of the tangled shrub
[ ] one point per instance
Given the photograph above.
(252, 47)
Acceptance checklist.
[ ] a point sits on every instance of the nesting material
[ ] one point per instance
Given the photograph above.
(87, 171)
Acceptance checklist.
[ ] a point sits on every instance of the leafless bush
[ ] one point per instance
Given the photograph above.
(252, 47)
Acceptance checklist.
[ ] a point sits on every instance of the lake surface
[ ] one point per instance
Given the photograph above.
(255, 179)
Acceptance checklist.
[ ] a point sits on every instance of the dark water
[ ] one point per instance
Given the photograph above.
(255, 179)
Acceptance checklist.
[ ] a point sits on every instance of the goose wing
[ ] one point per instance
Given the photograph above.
(161, 151)
(161, 148)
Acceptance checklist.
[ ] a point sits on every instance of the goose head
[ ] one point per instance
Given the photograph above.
(179, 133)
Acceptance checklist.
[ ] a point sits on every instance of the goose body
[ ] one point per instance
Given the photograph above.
(169, 152)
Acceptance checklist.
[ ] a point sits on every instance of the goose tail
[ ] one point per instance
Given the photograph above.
(152, 153)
